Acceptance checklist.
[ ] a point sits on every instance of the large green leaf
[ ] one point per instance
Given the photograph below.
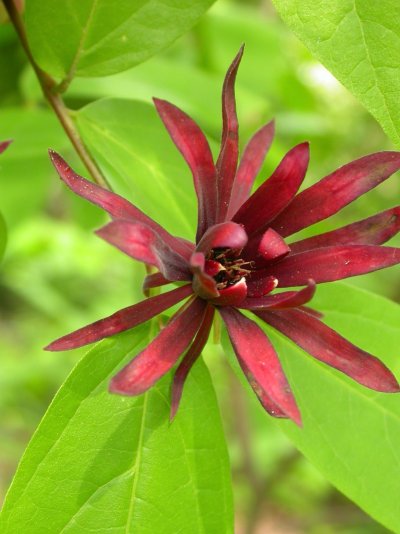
(350, 433)
(99, 37)
(141, 162)
(359, 43)
(107, 463)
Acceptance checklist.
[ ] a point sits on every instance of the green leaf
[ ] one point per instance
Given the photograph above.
(99, 37)
(102, 462)
(359, 43)
(26, 176)
(349, 432)
(142, 164)
(3, 236)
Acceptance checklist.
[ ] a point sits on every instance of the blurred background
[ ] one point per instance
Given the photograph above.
(56, 275)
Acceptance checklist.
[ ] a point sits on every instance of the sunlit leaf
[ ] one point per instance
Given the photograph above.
(359, 43)
(99, 37)
(102, 462)
(349, 432)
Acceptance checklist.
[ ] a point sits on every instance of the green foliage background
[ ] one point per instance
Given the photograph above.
(56, 275)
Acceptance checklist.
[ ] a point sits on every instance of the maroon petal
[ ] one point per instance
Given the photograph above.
(203, 285)
(250, 164)
(335, 191)
(144, 244)
(329, 347)
(154, 280)
(162, 353)
(286, 299)
(189, 359)
(223, 235)
(259, 285)
(261, 249)
(372, 231)
(194, 147)
(118, 207)
(121, 320)
(4, 145)
(332, 263)
(260, 364)
(276, 192)
(232, 295)
(228, 156)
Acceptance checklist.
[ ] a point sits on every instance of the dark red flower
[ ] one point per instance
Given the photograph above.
(241, 256)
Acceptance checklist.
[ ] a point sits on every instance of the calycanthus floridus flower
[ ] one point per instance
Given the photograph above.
(241, 255)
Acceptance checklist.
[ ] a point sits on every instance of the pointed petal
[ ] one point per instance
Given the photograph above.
(335, 191)
(232, 295)
(121, 320)
(250, 164)
(189, 359)
(372, 231)
(286, 299)
(194, 147)
(228, 156)
(223, 235)
(162, 353)
(329, 347)
(275, 193)
(260, 285)
(154, 280)
(4, 145)
(203, 285)
(115, 205)
(260, 363)
(332, 263)
(144, 244)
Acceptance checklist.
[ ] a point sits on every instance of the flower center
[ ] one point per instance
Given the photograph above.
(226, 266)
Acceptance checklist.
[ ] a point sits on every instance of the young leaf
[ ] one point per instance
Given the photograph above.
(349, 432)
(99, 37)
(358, 42)
(102, 462)
(146, 168)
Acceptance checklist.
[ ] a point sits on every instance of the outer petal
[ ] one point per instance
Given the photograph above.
(203, 284)
(276, 192)
(194, 147)
(228, 156)
(121, 320)
(286, 299)
(189, 359)
(260, 364)
(223, 235)
(4, 145)
(332, 193)
(116, 206)
(331, 263)
(162, 353)
(154, 280)
(144, 244)
(250, 164)
(372, 231)
(328, 346)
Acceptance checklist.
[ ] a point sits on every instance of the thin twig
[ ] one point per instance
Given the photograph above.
(49, 88)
